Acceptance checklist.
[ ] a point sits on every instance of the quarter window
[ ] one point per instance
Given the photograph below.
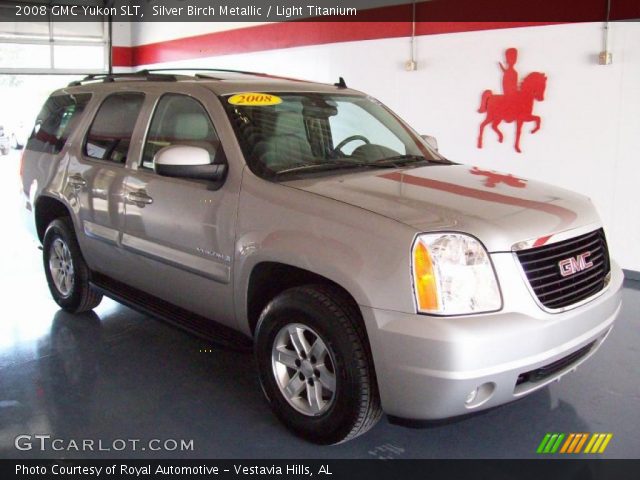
(179, 120)
(110, 134)
(56, 121)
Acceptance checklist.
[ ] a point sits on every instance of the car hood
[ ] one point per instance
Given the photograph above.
(500, 209)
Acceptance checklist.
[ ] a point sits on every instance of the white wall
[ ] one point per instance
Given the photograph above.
(121, 34)
(161, 31)
(590, 135)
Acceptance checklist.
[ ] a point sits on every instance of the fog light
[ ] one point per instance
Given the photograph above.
(480, 395)
(472, 396)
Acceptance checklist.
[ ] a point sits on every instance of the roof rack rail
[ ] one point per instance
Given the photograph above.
(112, 77)
(223, 70)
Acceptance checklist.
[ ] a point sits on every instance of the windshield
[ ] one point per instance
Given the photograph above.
(301, 133)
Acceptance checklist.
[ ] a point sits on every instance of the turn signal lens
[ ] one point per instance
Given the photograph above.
(424, 277)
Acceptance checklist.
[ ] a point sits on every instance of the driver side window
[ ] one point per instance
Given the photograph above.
(354, 121)
(179, 120)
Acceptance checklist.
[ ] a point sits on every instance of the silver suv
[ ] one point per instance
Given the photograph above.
(309, 222)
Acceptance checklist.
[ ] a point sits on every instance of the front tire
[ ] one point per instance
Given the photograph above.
(315, 365)
(66, 271)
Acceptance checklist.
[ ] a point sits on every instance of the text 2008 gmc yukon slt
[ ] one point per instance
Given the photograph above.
(369, 273)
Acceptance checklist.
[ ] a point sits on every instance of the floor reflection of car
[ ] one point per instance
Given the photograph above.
(68, 370)
(4, 142)
(53, 394)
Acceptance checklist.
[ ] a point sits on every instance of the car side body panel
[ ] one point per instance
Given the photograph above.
(352, 247)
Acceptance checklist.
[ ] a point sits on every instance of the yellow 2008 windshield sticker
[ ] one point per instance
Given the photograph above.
(253, 99)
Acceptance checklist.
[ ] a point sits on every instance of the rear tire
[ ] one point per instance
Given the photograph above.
(329, 399)
(66, 271)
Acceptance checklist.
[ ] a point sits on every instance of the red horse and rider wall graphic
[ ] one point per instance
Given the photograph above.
(516, 102)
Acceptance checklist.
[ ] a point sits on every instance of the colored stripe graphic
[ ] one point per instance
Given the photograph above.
(543, 443)
(591, 443)
(583, 438)
(578, 437)
(598, 443)
(567, 443)
(555, 447)
(604, 445)
(552, 442)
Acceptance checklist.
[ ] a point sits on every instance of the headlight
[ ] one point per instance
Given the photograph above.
(453, 275)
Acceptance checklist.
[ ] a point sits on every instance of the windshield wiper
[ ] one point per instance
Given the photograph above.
(334, 165)
(390, 162)
(400, 160)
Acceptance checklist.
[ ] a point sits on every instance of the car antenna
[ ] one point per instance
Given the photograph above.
(341, 83)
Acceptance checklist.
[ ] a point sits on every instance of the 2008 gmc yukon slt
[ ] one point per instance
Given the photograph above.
(368, 272)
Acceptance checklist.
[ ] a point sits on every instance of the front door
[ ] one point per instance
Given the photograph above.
(180, 232)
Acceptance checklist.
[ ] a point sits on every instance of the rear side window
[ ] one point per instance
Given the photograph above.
(110, 134)
(56, 121)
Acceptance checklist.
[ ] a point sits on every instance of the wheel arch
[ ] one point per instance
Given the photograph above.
(46, 210)
(270, 278)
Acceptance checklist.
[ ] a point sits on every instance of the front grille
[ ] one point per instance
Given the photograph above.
(541, 266)
(545, 372)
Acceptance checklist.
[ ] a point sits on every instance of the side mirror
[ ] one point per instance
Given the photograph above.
(431, 141)
(186, 161)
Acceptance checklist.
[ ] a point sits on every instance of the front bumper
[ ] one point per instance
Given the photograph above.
(428, 367)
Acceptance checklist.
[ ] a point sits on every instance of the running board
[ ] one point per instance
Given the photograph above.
(179, 317)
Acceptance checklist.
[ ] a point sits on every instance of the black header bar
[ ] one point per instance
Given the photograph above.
(319, 10)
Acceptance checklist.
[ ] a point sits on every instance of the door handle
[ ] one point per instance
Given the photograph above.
(77, 182)
(139, 198)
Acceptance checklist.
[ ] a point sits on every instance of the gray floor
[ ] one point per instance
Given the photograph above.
(117, 374)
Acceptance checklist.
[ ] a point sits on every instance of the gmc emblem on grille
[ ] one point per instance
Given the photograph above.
(573, 265)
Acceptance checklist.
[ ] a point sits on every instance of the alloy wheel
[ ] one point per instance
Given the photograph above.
(304, 369)
(61, 267)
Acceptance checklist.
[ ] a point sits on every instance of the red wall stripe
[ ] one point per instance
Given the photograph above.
(274, 36)
(122, 56)
(566, 216)
(542, 240)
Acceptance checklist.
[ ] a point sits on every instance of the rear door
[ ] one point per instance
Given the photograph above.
(96, 179)
(179, 232)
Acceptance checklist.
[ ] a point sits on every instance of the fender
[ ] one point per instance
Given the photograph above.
(324, 236)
